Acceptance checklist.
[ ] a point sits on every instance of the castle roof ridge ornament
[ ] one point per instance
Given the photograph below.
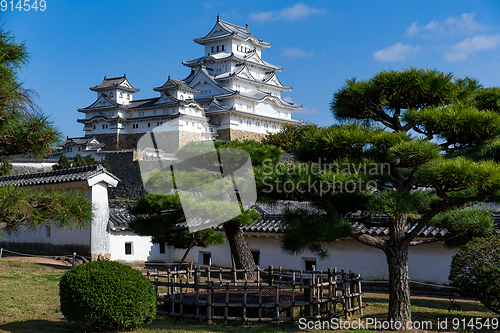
(218, 17)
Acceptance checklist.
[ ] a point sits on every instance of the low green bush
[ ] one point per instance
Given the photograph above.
(475, 271)
(108, 295)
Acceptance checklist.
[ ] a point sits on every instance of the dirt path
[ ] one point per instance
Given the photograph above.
(35, 260)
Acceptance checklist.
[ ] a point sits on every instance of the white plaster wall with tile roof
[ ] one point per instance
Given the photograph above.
(427, 262)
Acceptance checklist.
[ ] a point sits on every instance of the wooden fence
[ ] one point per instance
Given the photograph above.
(209, 293)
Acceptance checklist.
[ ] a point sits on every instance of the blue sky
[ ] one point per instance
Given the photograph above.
(74, 44)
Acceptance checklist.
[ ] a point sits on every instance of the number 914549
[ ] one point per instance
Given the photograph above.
(23, 5)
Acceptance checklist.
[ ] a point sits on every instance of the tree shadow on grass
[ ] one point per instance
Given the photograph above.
(55, 266)
(40, 325)
(192, 325)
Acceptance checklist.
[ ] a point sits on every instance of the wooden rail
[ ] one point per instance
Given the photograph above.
(210, 293)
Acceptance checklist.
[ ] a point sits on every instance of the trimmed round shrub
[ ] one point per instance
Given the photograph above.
(107, 295)
(475, 271)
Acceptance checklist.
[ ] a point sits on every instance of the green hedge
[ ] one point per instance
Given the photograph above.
(475, 271)
(108, 295)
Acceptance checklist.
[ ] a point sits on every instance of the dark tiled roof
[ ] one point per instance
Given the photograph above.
(234, 30)
(119, 218)
(82, 141)
(54, 177)
(173, 84)
(115, 82)
(271, 222)
(225, 56)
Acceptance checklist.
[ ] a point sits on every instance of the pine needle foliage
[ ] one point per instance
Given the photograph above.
(290, 136)
(161, 217)
(420, 146)
(30, 208)
(24, 129)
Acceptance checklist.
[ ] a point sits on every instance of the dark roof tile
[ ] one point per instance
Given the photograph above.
(54, 177)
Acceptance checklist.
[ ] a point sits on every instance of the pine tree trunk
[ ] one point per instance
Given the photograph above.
(187, 252)
(242, 255)
(399, 286)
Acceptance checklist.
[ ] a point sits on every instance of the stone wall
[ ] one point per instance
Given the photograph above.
(185, 137)
(119, 141)
(232, 134)
(110, 140)
(127, 170)
(129, 141)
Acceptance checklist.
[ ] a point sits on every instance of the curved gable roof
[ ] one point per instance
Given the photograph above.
(223, 30)
(173, 84)
(115, 82)
(59, 176)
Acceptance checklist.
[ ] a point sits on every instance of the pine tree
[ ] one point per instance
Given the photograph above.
(161, 217)
(24, 129)
(374, 163)
(63, 163)
(204, 174)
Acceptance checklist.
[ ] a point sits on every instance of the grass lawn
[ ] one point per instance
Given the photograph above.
(29, 302)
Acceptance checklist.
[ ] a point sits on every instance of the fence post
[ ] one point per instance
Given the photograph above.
(74, 257)
(209, 301)
(330, 292)
(271, 275)
(1, 252)
(358, 283)
(354, 289)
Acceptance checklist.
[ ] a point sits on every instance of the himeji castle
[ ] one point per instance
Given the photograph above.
(230, 94)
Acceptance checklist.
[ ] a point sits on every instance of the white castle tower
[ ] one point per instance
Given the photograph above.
(230, 94)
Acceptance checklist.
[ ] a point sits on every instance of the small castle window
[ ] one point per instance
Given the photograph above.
(128, 248)
(111, 94)
(121, 95)
(223, 48)
(149, 124)
(217, 48)
(256, 256)
(94, 126)
(128, 96)
(212, 49)
(207, 258)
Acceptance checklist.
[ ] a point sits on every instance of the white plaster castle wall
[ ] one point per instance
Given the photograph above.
(142, 247)
(99, 232)
(427, 262)
(57, 236)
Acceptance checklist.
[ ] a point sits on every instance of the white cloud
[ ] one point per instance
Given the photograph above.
(297, 52)
(307, 110)
(296, 12)
(288, 99)
(396, 52)
(471, 45)
(462, 25)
